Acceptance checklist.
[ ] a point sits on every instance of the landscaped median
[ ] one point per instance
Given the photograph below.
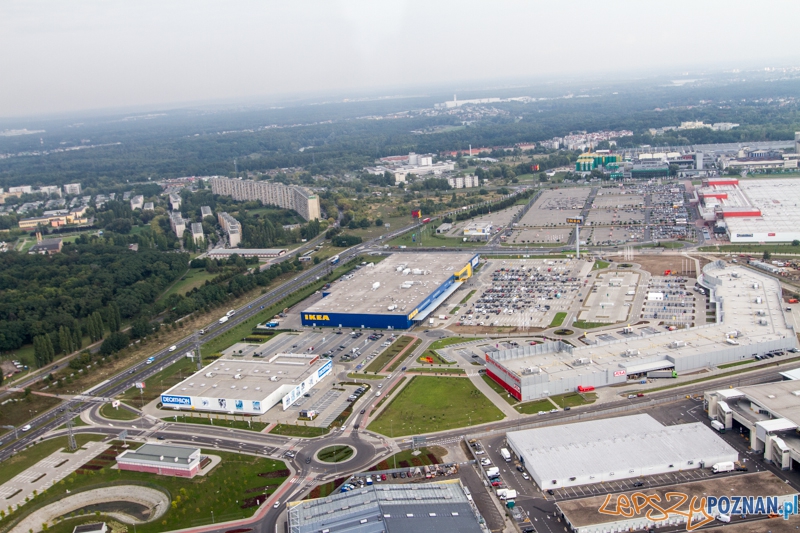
(434, 403)
(430, 356)
(384, 358)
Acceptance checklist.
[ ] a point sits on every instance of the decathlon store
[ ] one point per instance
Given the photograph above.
(248, 386)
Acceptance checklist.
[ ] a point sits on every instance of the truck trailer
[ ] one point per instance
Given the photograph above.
(506, 455)
(662, 374)
(727, 466)
(719, 426)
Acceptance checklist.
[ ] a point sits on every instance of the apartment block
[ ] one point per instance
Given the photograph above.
(293, 197)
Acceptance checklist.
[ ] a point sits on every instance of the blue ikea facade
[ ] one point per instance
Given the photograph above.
(386, 320)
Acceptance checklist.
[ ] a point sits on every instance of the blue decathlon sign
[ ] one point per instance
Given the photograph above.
(175, 400)
(322, 372)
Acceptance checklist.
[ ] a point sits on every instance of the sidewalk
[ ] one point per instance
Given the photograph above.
(495, 398)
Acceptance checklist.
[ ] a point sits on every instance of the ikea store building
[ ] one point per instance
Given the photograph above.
(401, 290)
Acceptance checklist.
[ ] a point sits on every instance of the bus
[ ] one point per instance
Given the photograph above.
(334, 259)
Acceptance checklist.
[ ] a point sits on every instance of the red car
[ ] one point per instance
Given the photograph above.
(383, 477)
(496, 483)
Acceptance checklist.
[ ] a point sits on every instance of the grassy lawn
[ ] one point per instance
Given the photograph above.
(120, 413)
(454, 310)
(160, 382)
(436, 370)
(753, 248)
(22, 408)
(431, 455)
(27, 458)
(598, 265)
(193, 278)
(499, 390)
(320, 491)
(467, 297)
(589, 325)
(737, 363)
(354, 375)
(663, 244)
(400, 361)
(298, 431)
(430, 403)
(574, 399)
(335, 454)
(388, 354)
(426, 240)
(438, 345)
(233, 489)
(532, 408)
(227, 421)
(558, 319)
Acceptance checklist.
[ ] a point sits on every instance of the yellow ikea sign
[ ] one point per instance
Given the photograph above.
(414, 313)
(464, 273)
(321, 318)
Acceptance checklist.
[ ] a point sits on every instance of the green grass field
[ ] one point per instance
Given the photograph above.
(298, 431)
(193, 278)
(737, 363)
(229, 490)
(335, 454)
(22, 408)
(534, 407)
(407, 459)
(558, 319)
(430, 403)
(582, 324)
(383, 359)
(757, 249)
(227, 421)
(120, 413)
(598, 265)
(394, 366)
(160, 382)
(428, 240)
(23, 460)
(467, 297)
(574, 399)
(391, 391)
(499, 390)
(437, 370)
(663, 244)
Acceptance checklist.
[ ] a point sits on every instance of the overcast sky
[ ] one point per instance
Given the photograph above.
(76, 55)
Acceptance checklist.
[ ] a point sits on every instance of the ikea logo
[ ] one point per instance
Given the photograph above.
(414, 313)
(321, 318)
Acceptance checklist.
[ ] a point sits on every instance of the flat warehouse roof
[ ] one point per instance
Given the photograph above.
(584, 512)
(778, 200)
(599, 448)
(401, 280)
(739, 288)
(251, 379)
(781, 398)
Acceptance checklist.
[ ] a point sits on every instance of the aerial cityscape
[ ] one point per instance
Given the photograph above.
(379, 268)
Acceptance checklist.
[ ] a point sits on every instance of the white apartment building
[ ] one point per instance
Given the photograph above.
(301, 200)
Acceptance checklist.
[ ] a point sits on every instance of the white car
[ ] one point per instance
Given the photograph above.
(26, 427)
(480, 452)
(277, 504)
(525, 476)
(485, 462)
(173, 348)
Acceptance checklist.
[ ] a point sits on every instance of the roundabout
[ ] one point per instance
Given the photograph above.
(335, 454)
(563, 332)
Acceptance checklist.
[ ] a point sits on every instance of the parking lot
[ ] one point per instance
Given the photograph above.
(553, 207)
(525, 292)
(540, 236)
(677, 305)
(498, 219)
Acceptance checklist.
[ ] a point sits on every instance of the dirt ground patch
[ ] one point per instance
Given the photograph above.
(657, 264)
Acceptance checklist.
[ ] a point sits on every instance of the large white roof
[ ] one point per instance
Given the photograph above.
(616, 446)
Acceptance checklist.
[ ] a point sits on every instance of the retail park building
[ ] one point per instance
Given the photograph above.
(396, 293)
(750, 321)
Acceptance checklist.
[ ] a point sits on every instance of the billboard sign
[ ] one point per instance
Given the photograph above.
(415, 214)
(168, 399)
(140, 384)
(575, 220)
(618, 373)
(325, 369)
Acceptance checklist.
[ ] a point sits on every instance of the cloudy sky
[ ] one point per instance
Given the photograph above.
(93, 54)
